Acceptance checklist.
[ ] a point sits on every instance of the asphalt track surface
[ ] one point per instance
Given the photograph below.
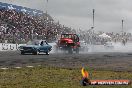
(110, 61)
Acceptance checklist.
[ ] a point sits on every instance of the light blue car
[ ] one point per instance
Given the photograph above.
(36, 47)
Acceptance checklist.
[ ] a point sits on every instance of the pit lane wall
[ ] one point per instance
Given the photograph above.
(9, 46)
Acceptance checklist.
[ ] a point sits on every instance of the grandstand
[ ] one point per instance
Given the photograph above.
(29, 11)
(21, 9)
(20, 24)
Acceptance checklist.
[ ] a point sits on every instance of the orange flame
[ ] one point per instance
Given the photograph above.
(85, 73)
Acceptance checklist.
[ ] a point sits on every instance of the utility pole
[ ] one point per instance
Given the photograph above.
(122, 31)
(122, 26)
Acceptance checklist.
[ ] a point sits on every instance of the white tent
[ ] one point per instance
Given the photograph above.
(104, 36)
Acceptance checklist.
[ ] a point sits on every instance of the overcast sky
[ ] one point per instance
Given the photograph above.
(78, 13)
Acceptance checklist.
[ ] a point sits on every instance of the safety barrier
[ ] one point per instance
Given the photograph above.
(9, 47)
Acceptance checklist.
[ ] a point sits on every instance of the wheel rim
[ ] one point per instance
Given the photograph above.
(47, 53)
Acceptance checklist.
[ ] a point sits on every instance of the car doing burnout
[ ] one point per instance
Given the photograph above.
(69, 42)
(36, 47)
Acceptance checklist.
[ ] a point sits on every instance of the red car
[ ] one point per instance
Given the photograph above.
(69, 42)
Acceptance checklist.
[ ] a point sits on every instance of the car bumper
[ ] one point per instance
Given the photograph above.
(28, 51)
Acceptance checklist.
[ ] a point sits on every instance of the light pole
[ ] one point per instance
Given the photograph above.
(47, 5)
(92, 31)
(93, 18)
(45, 18)
(122, 26)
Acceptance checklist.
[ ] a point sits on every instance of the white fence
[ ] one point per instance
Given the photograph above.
(9, 47)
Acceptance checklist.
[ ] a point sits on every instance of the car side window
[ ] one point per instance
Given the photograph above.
(46, 43)
(43, 43)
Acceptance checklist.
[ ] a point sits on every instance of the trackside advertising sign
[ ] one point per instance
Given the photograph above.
(110, 82)
(86, 80)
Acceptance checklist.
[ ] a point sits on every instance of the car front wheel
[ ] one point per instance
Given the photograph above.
(22, 53)
(47, 53)
(36, 52)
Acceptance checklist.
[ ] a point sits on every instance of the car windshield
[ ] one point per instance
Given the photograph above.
(66, 36)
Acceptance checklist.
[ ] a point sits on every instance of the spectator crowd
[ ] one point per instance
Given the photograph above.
(20, 27)
(94, 38)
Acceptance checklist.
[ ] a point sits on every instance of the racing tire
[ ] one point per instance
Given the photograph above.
(36, 53)
(70, 51)
(47, 53)
(77, 50)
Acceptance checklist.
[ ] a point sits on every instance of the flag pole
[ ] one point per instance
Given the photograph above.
(93, 17)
